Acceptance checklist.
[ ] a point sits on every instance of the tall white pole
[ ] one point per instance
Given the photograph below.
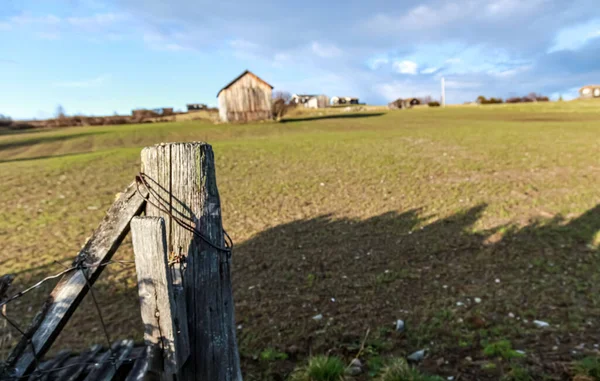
(443, 92)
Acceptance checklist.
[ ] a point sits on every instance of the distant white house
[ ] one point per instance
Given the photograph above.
(301, 98)
(591, 91)
(310, 101)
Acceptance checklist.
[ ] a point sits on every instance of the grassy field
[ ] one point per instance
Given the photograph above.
(467, 222)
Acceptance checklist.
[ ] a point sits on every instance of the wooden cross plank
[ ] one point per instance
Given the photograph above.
(71, 289)
(164, 317)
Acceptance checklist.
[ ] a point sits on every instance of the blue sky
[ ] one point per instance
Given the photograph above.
(97, 57)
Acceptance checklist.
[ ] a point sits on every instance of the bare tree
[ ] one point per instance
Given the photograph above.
(60, 112)
(283, 95)
(5, 120)
(280, 104)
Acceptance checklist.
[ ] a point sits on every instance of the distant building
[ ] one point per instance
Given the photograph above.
(196, 107)
(344, 100)
(299, 99)
(590, 91)
(246, 98)
(404, 103)
(310, 101)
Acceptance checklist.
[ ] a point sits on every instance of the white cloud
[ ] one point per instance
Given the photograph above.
(25, 19)
(430, 70)
(93, 82)
(457, 84)
(510, 7)
(325, 50)
(421, 17)
(511, 72)
(378, 62)
(574, 37)
(454, 60)
(49, 35)
(406, 67)
(404, 89)
(97, 20)
(51, 27)
(243, 44)
(594, 34)
(158, 41)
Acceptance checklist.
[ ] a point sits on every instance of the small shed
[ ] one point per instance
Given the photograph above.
(246, 98)
(590, 91)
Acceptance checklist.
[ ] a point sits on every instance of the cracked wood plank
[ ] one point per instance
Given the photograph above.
(161, 316)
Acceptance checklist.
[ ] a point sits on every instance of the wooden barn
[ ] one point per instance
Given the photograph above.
(245, 99)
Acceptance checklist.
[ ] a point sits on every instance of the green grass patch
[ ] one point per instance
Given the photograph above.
(501, 349)
(588, 367)
(400, 370)
(320, 368)
(447, 200)
(271, 354)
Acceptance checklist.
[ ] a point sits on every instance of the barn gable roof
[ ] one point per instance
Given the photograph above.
(240, 76)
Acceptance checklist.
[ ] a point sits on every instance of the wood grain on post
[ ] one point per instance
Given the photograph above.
(71, 289)
(183, 175)
(157, 301)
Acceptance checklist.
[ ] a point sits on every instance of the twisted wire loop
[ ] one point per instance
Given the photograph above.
(154, 199)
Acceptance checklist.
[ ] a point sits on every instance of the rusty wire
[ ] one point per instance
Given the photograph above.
(141, 178)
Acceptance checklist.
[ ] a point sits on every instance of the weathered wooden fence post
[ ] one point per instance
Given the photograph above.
(183, 191)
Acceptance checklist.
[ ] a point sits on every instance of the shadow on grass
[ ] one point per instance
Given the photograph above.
(20, 131)
(23, 143)
(361, 274)
(336, 116)
(43, 157)
(364, 274)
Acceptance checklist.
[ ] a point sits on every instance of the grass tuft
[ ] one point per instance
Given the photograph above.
(271, 354)
(321, 368)
(400, 370)
(588, 369)
(518, 373)
(502, 349)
